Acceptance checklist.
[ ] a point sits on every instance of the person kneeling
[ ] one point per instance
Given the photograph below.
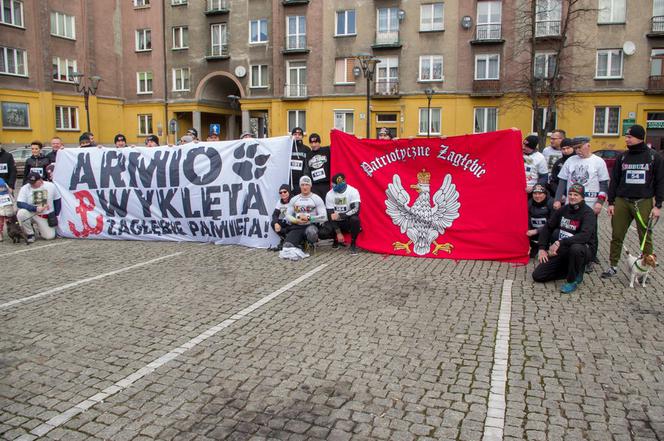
(279, 223)
(567, 256)
(306, 212)
(343, 209)
(38, 202)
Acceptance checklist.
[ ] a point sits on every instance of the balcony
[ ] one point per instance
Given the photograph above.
(218, 52)
(387, 40)
(387, 88)
(656, 27)
(488, 34)
(217, 7)
(655, 85)
(294, 2)
(547, 29)
(296, 44)
(483, 88)
(295, 91)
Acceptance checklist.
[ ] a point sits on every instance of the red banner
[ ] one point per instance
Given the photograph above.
(460, 197)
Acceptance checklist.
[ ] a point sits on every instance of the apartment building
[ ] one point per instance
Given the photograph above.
(270, 65)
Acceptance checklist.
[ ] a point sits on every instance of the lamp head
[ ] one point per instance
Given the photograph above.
(429, 92)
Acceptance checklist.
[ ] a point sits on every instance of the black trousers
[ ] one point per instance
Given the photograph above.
(285, 226)
(568, 264)
(297, 234)
(349, 225)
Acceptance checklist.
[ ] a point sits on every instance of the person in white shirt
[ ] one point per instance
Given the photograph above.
(534, 164)
(306, 213)
(589, 170)
(553, 152)
(343, 209)
(38, 203)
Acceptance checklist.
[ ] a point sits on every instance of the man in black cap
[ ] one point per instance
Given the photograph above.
(317, 166)
(298, 158)
(120, 141)
(537, 172)
(637, 178)
(38, 203)
(152, 141)
(343, 211)
(567, 256)
(84, 140)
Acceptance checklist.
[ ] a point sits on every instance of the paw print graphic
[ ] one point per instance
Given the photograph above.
(250, 165)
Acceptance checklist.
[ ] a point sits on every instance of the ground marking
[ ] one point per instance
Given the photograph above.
(495, 416)
(84, 405)
(82, 281)
(24, 250)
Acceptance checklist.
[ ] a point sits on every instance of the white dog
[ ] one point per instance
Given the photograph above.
(639, 268)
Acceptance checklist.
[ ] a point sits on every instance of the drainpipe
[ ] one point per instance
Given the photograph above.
(163, 25)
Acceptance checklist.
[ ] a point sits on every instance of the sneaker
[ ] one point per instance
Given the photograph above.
(579, 278)
(610, 272)
(590, 268)
(568, 287)
(353, 249)
(31, 238)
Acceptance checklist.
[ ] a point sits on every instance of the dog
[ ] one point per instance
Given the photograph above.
(639, 268)
(15, 232)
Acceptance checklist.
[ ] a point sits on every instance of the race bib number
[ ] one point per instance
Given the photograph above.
(296, 164)
(538, 221)
(564, 235)
(4, 168)
(5, 200)
(39, 170)
(635, 177)
(318, 175)
(340, 208)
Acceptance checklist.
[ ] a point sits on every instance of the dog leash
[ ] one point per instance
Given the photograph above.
(648, 227)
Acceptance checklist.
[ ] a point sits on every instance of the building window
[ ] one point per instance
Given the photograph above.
(296, 32)
(489, 20)
(431, 68)
(297, 79)
(141, 3)
(63, 25)
(217, 5)
(143, 40)
(548, 14)
(258, 31)
(609, 63)
(607, 121)
(63, 69)
(545, 65)
(180, 79)
(297, 118)
(218, 40)
(611, 11)
(387, 26)
(13, 61)
(387, 76)
(431, 120)
(343, 72)
(180, 37)
(343, 120)
(145, 124)
(486, 119)
(345, 23)
(11, 13)
(258, 74)
(66, 118)
(143, 82)
(656, 62)
(431, 17)
(487, 67)
(541, 116)
(178, 2)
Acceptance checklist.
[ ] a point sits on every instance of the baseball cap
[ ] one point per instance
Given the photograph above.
(539, 188)
(305, 180)
(576, 188)
(33, 177)
(531, 141)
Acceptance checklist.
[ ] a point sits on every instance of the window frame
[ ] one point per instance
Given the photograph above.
(4, 68)
(298, 120)
(345, 113)
(141, 3)
(139, 80)
(182, 79)
(607, 115)
(60, 110)
(300, 31)
(430, 121)
(179, 2)
(223, 39)
(489, 23)
(612, 12)
(184, 30)
(431, 79)
(346, 60)
(609, 65)
(345, 13)
(12, 14)
(547, 56)
(148, 124)
(545, 111)
(57, 74)
(487, 58)
(145, 32)
(261, 85)
(259, 22)
(432, 23)
(485, 118)
(55, 25)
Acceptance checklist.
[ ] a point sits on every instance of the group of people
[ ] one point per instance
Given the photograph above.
(567, 187)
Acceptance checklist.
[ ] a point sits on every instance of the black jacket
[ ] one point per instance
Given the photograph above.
(539, 214)
(555, 171)
(638, 174)
(7, 168)
(575, 226)
(298, 158)
(40, 161)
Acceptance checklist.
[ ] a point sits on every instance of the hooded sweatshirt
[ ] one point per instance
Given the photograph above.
(576, 224)
(638, 174)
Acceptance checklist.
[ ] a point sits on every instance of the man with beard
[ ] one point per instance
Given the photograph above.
(317, 166)
(298, 158)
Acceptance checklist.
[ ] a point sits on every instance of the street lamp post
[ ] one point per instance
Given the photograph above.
(368, 68)
(86, 89)
(429, 93)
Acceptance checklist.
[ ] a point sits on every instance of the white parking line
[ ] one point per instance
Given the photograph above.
(84, 405)
(495, 417)
(82, 281)
(25, 250)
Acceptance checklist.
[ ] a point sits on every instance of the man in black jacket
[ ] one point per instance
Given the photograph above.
(637, 178)
(298, 158)
(569, 254)
(317, 166)
(7, 168)
(37, 162)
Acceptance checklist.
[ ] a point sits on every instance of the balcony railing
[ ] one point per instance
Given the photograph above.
(295, 91)
(214, 7)
(294, 2)
(658, 24)
(387, 38)
(488, 32)
(550, 28)
(486, 87)
(656, 83)
(296, 42)
(218, 51)
(387, 87)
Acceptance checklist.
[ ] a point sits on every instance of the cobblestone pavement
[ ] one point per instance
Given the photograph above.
(206, 345)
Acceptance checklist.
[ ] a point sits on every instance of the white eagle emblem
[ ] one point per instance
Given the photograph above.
(422, 222)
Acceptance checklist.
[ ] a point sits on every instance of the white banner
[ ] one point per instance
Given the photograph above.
(221, 192)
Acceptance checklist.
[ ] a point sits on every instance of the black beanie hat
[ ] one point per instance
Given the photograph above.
(531, 141)
(567, 142)
(637, 132)
(285, 187)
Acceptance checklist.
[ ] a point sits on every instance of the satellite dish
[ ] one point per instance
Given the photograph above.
(629, 48)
